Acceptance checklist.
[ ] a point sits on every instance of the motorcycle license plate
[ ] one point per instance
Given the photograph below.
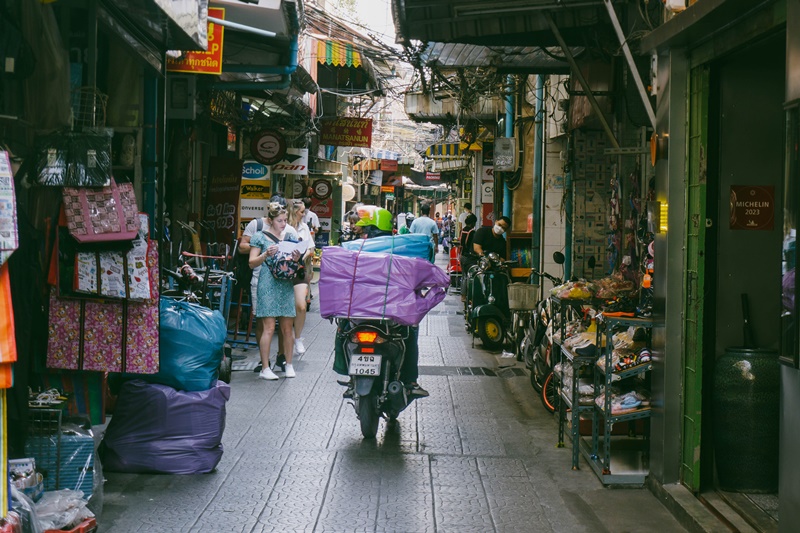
(362, 364)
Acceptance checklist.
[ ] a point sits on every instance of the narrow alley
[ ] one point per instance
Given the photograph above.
(477, 455)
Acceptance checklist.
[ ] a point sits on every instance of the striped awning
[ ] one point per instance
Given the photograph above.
(337, 54)
(438, 151)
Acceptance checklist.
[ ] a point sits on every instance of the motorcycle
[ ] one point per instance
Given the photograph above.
(537, 342)
(375, 350)
(486, 310)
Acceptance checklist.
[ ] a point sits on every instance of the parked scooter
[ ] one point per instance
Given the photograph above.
(537, 342)
(486, 309)
(375, 350)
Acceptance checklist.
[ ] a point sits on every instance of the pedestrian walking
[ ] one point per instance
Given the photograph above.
(275, 297)
(425, 225)
(301, 282)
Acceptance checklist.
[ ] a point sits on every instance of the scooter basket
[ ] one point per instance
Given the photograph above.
(522, 296)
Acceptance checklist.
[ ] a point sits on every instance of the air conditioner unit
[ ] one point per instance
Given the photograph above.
(181, 96)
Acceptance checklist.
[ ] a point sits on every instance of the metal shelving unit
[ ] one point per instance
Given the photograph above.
(601, 462)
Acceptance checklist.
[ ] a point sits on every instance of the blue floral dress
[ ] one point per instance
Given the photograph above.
(275, 297)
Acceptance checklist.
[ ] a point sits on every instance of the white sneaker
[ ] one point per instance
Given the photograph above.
(299, 347)
(289, 371)
(268, 374)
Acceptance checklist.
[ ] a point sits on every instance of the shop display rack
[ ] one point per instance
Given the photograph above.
(601, 463)
(565, 356)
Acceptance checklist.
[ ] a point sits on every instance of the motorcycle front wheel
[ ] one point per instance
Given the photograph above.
(368, 415)
(491, 332)
(540, 368)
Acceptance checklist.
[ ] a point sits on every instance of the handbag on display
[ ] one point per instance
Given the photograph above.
(73, 160)
(101, 215)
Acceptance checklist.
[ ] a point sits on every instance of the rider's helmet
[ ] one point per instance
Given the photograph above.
(410, 216)
(371, 215)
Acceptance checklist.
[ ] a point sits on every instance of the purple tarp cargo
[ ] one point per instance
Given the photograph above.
(156, 428)
(378, 285)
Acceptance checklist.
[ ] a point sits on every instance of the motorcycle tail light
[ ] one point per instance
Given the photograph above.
(367, 337)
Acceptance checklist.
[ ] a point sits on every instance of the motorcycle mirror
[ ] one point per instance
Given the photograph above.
(559, 258)
(592, 262)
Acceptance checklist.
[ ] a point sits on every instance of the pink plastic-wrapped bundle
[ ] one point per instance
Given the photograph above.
(377, 285)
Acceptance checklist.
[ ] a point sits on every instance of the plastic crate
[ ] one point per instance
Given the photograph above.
(87, 526)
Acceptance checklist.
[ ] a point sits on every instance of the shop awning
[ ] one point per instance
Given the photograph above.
(447, 150)
(338, 54)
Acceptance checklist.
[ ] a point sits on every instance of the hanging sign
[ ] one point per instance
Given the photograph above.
(268, 147)
(321, 189)
(487, 192)
(488, 173)
(389, 165)
(209, 62)
(255, 193)
(323, 208)
(375, 177)
(294, 162)
(752, 207)
(433, 176)
(347, 132)
(222, 200)
(387, 188)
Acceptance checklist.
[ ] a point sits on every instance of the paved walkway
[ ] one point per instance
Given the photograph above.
(478, 455)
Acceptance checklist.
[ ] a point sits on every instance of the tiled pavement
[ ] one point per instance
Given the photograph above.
(478, 455)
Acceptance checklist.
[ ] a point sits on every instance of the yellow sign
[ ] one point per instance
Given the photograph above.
(209, 62)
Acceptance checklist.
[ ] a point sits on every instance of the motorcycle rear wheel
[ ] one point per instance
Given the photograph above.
(368, 415)
(540, 368)
(549, 394)
(491, 332)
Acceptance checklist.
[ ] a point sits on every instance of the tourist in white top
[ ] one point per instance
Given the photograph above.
(301, 286)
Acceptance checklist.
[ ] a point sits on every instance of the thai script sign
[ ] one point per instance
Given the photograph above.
(752, 207)
(222, 196)
(347, 132)
(209, 62)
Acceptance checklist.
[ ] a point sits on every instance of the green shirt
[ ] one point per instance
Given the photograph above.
(404, 230)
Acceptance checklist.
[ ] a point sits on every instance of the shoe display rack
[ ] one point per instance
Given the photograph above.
(569, 408)
(632, 467)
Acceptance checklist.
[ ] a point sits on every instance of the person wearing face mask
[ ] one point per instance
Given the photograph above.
(490, 238)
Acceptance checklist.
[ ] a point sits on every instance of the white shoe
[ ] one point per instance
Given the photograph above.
(289, 371)
(299, 347)
(268, 374)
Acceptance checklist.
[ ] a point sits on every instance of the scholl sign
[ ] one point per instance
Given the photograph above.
(253, 170)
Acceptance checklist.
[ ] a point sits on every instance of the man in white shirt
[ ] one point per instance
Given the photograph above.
(311, 218)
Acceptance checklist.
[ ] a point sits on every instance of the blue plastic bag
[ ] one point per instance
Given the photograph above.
(192, 339)
(409, 245)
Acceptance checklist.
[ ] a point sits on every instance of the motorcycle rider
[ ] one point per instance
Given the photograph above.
(375, 222)
(490, 239)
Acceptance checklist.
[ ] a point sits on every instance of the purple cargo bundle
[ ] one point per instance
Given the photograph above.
(377, 285)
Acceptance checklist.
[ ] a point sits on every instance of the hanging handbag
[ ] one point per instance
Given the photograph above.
(101, 215)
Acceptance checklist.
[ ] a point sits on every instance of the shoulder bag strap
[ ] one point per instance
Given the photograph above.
(273, 237)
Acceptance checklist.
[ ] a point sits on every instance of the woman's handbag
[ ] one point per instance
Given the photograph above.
(281, 265)
(101, 215)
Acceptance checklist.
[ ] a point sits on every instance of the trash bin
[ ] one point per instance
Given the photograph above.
(746, 420)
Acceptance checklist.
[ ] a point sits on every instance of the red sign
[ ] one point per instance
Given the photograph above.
(323, 208)
(488, 214)
(347, 132)
(752, 207)
(209, 62)
(388, 165)
(433, 176)
(387, 188)
(222, 199)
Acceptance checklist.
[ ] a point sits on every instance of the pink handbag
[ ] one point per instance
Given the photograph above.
(98, 215)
